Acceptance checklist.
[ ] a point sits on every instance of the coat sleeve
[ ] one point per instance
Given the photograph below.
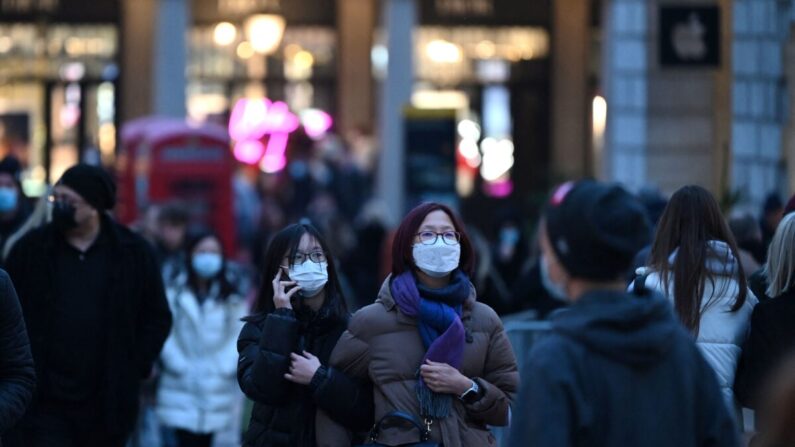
(499, 383)
(352, 353)
(756, 359)
(17, 376)
(346, 400)
(225, 359)
(544, 416)
(264, 358)
(154, 317)
(716, 427)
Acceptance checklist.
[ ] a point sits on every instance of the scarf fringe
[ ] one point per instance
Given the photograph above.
(433, 405)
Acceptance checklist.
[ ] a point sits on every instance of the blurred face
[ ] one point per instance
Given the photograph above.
(208, 245)
(84, 212)
(172, 235)
(556, 271)
(7, 181)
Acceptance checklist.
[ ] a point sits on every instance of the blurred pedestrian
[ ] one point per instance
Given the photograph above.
(94, 305)
(197, 392)
(17, 377)
(14, 205)
(772, 213)
(749, 242)
(778, 409)
(772, 334)
(284, 346)
(695, 264)
(429, 348)
(617, 369)
(172, 230)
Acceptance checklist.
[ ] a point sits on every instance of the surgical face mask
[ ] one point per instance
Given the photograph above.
(207, 265)
(436, 260)
(311, 276)
(63, 216)
(556, 291)
(8, 199)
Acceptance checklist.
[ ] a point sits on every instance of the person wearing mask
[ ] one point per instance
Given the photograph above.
(772, 334)
(284, 346)
(197, 391)
(14, 206)
(97, 315)
(429, 348)
(616, 369)
(17, 376)
(695, 264)
(172, 229)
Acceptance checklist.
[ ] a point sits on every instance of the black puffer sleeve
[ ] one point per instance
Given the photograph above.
(346, 400)
(264, 348)
(17, 376)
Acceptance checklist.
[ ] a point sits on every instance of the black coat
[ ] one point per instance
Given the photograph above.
(617, 369)
(17, 378)
(772, 337)
(138, 317)
(284, 412)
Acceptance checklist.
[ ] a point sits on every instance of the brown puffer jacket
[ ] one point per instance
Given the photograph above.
(384, 345)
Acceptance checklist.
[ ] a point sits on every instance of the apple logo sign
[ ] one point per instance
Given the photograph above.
(687, 39)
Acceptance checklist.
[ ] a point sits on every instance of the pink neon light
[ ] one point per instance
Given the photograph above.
(249, 151)
(250, 121)
(316, 123)
(499, 189)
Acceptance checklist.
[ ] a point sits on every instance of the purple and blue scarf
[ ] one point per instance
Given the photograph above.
(438, 314)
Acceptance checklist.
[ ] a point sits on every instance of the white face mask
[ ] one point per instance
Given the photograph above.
(207, 265)
(311, 276)
(555, 290)
(438, 259)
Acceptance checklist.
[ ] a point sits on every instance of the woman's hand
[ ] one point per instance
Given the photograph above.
(443, 378)
(303, 368)
(281, 299)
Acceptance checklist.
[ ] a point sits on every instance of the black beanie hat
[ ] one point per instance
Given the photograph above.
(596, 229)
(10, 165)
(93, 184)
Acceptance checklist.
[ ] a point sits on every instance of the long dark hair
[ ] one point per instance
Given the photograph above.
(287, 241)
(194, 239)
(691, 219)
(402, 258)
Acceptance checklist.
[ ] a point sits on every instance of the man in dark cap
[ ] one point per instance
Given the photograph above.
(616, 369)
(93, 301)
(14, 206)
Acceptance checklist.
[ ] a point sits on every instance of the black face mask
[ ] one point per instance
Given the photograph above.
(63, 216)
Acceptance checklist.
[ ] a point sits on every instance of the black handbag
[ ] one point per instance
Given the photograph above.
(401, 419)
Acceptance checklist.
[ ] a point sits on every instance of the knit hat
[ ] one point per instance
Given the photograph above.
(596, 229)
(10, 165)
(93, 184)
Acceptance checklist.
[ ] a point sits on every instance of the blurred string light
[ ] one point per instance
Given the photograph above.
(497, 158)
(444, 52)
(599, 116)
(224, 34)
(265, 32)
(245, 50)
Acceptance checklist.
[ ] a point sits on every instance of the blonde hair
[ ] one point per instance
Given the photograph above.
(780, 267)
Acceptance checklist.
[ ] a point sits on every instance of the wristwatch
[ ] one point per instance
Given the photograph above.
(471, 394)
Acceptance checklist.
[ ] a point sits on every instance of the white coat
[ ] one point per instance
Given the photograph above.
(198, 387)
(721, 332)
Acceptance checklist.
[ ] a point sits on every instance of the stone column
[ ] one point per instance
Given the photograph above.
(399, 22)
(137, 56)
(171, 51)
(355, 25)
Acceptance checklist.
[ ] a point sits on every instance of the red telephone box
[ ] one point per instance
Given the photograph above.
(169, 159)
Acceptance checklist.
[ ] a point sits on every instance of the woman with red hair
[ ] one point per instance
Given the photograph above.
(432, 352)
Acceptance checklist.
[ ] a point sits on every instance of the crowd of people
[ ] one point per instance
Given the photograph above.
(667, 320)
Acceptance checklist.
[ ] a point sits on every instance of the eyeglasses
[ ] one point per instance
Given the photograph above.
(448, 237)
(317, 257)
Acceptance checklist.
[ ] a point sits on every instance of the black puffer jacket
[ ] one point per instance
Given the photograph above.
(17, 378)
(284, 412)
